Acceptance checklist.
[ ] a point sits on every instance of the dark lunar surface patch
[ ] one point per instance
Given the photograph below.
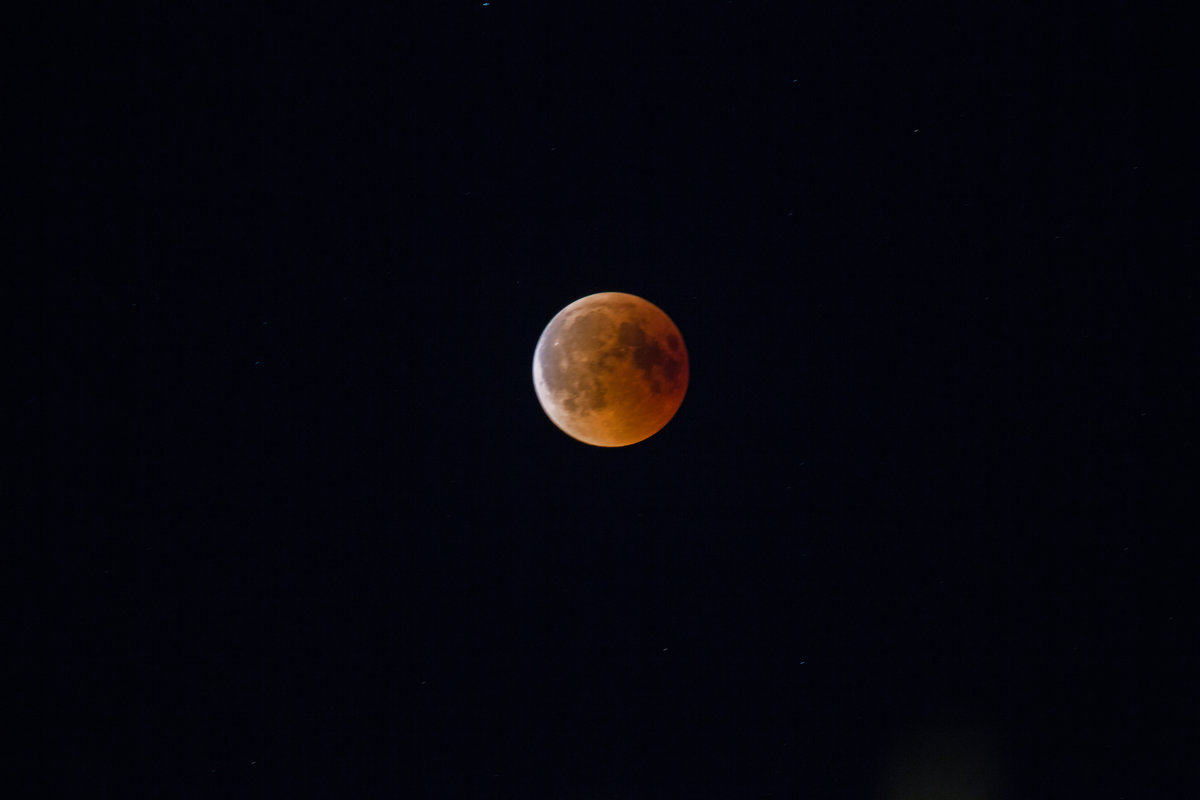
(648, 353)
(672, 368)
(631, 335)
(648, 356)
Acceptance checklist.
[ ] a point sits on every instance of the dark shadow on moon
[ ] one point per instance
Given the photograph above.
(648, 354)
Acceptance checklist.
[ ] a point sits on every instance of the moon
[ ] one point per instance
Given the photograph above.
(610, 369)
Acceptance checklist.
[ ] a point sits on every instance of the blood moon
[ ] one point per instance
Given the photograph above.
(610, 369)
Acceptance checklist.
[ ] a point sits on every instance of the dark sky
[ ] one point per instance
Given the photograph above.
(312, 534)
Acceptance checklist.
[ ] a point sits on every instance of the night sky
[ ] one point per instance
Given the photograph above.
(311, 534)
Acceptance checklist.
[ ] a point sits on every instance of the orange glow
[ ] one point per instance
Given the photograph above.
(610, 369)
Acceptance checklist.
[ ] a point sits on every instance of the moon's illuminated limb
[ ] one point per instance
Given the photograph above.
(610, 369)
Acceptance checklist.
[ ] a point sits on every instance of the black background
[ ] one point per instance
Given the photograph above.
(312, 535)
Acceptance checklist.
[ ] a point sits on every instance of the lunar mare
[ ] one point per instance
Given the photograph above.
(610, 369)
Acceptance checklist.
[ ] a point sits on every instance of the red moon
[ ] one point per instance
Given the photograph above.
(610, 369)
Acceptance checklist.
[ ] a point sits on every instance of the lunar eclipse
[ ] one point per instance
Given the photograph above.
(610, 369)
